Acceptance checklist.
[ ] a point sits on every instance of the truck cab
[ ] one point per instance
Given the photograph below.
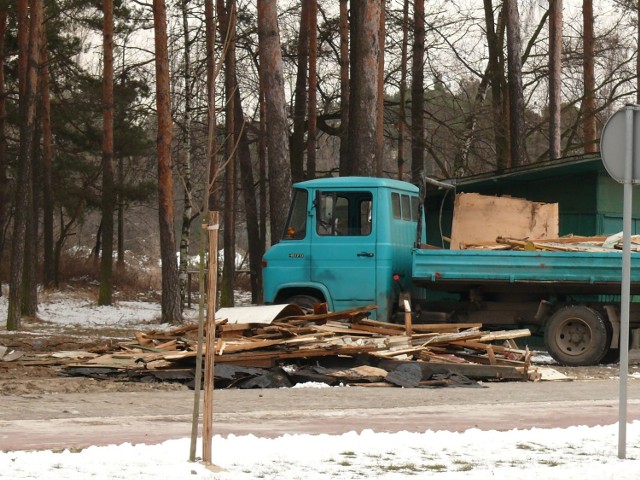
(347, 242)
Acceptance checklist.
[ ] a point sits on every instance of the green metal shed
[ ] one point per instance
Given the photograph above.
(589, 200)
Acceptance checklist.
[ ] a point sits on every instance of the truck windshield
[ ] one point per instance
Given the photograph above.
(296, 227)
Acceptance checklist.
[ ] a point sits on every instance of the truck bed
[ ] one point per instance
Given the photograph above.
(512, 270)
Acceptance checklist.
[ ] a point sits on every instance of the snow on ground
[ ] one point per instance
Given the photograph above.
(563, 454)
(572, 453)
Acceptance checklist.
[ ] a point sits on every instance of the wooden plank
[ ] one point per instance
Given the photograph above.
(478, 345)
(445, 327)
(475, 219)
(260, 358)
(492, 356)
(378, 323)
(451, 337)
(423, 327)
(322, 318)
(480, 372)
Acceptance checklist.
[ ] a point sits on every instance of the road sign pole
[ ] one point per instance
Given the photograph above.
(626, 280)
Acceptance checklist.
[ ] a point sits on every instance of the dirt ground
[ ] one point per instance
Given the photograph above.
(45, 409)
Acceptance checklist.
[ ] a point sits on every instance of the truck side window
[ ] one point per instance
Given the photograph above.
(406, 207)
(296, 227)
(395, 204)
(344, 213)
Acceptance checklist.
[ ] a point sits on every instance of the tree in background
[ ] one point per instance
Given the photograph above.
(402, 117)
(108, 188)
(312, 26)
(170, 304)
(28, 96)
(417, 94)
(227, 23)
(588, 59)
(3, 137)
(184, 156)
(344, 88)
(47, 167)
(555, 79)
(300, 96)
(516, 95)
(363, 101)
(495, 42)
(272, 82)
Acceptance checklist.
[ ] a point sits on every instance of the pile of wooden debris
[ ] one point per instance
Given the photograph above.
(571, 243)
(335, 348)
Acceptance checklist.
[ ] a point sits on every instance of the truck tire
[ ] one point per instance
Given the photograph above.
(577, 335)
(305, 302)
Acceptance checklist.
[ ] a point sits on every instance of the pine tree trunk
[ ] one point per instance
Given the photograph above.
(345, 164)
(380, 108)
(105, 296)
(277, 133)
(28, 97)
(363, 115)
(589, 104)
(29, 301)
(227, 25)
(555, 79)
(402, 115)
(3, 138)
(262, 167)
(516, 95)
(170, 285)
(300, 96)
(254, 235)
(313, 87)
(497, 82)
(417, 94)
(47, 169)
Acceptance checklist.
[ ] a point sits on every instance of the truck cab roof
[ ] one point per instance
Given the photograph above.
(357, 182)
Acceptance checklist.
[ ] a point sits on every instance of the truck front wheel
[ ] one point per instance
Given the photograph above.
(305, 302)
(577, 335)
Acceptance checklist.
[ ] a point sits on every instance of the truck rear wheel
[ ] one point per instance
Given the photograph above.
(577, 335)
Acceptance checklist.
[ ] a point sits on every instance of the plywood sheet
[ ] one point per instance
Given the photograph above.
(481, 218)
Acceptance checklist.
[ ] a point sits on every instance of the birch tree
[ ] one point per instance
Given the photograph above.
(516, 95)
(555, 78)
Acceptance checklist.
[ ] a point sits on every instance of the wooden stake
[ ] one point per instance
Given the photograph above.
(212, 294)
(195, 420)
(408, 324)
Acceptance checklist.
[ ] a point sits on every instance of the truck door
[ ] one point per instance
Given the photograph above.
(344, 246)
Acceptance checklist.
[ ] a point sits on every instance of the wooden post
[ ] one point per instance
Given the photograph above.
(212, 294)
(195, 420)
(408, 324)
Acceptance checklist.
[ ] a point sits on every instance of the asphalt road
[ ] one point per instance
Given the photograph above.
(67, 420)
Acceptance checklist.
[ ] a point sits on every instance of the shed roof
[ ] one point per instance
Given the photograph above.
(536, 171)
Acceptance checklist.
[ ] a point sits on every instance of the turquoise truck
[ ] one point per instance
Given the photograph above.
(356, 241)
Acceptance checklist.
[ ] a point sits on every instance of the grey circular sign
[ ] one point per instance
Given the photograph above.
(613, 145)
